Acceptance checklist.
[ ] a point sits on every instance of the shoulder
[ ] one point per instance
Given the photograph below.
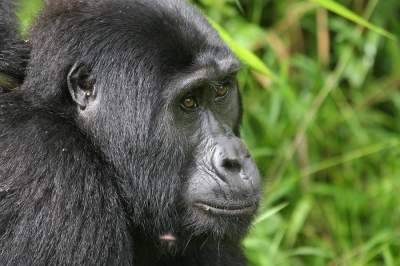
(37, 144)
(51, 175)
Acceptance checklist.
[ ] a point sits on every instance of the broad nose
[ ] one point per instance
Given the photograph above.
(233, 163)
(229, 155)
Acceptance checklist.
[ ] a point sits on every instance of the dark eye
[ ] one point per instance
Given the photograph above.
(189, 102)
(221, 90)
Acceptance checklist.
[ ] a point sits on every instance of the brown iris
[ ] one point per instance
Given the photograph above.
(221, 91)
(189, 102)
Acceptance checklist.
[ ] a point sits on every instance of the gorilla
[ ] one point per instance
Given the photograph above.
(119, 138)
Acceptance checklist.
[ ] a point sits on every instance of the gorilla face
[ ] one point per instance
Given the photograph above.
(222, 188)
(190, 150)
(165, 111)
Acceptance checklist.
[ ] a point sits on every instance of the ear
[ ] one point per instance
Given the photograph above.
(81, 85)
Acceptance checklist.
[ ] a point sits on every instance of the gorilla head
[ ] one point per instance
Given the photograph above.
(152, 88)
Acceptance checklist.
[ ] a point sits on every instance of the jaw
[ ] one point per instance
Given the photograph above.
(199, 227)
(219, 212)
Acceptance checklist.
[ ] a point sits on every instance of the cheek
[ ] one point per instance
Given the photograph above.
(236, 110)
(200, 186)
(201, 180)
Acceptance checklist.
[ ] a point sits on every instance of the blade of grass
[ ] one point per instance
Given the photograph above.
(270, 213)
(354, 155)
(243, 54)
(346, 13)
(311, 251)
(299, 217)
(388, 256)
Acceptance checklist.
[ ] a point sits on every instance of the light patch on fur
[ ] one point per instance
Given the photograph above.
(168, 237)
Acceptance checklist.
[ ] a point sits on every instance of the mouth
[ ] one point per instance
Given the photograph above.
(231, 210)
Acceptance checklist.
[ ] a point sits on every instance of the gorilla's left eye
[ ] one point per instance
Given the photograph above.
(189, 102)
(221, 91)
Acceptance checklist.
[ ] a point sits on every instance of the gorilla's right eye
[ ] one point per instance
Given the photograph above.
(189, 102)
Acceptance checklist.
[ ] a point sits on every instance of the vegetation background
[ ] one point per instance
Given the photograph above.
(322, 121)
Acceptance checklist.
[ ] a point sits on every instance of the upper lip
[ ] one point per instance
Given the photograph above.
(227, 209)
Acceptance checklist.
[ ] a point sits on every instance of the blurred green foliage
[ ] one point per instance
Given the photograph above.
(326, 134)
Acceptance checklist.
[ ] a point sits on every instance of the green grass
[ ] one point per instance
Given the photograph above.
(324, 130)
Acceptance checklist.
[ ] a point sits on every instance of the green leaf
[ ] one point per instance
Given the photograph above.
(27, 13)
(346, 13)
(243, 54)
(299, 216)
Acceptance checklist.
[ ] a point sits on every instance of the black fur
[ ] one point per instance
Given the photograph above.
(8, 25)
(101, 188)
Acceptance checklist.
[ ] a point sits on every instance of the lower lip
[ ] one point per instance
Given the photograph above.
(246, 210)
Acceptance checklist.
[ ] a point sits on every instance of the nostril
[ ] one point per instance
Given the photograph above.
(232, 165)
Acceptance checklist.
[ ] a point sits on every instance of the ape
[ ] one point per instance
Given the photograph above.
(120, 146)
